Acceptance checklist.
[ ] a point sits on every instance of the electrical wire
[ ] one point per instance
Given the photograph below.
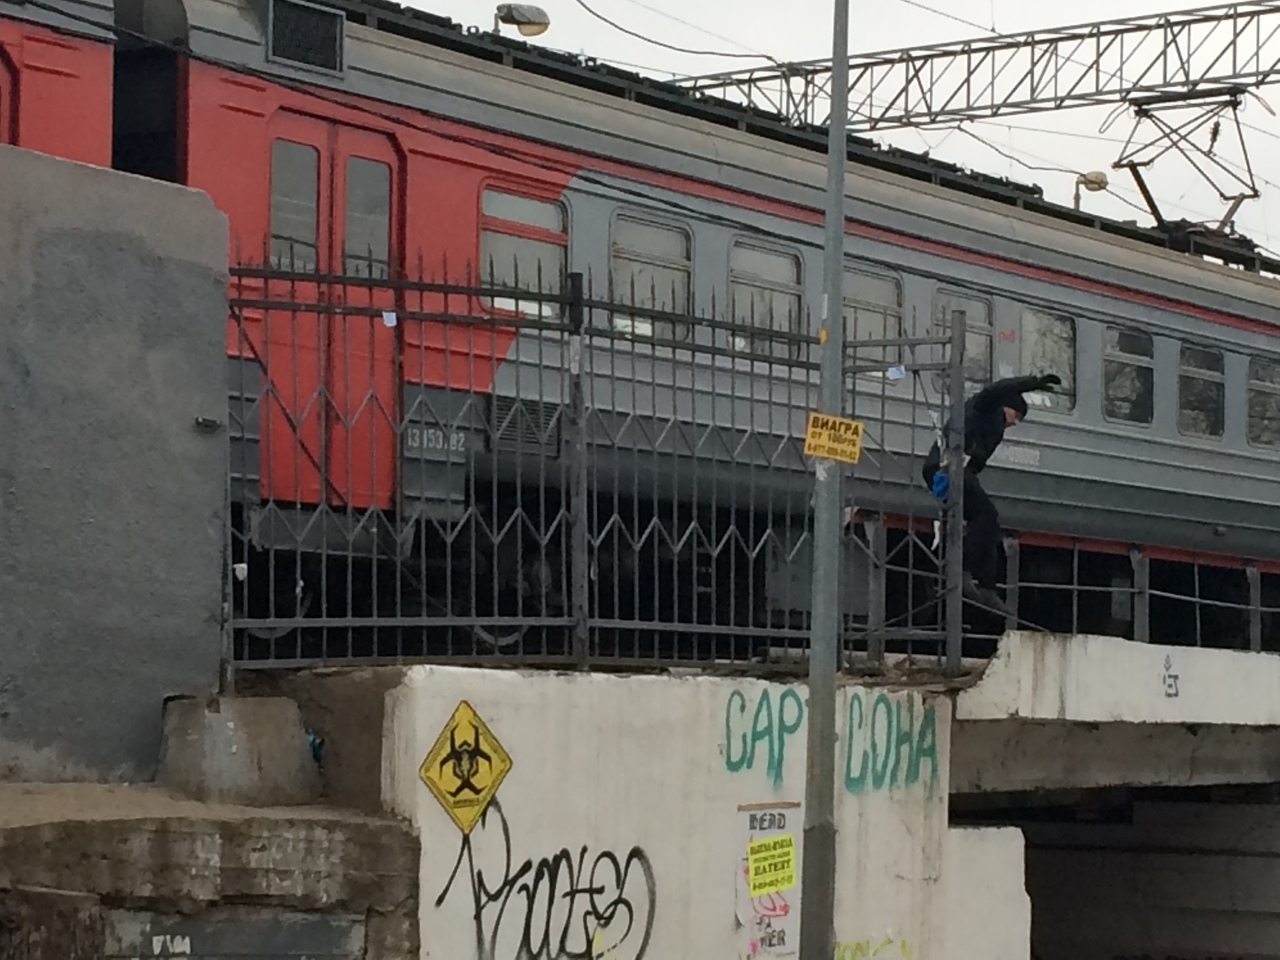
(1100, 138)
(646, 68)
(1112, 190)
(949, 16)
(693, 26)
(670, 46)
(987, 143)
(992, 30)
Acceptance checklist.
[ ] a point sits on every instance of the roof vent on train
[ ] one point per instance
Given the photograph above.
(306, 34)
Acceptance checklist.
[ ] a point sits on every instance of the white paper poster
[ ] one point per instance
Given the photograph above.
(767, 894)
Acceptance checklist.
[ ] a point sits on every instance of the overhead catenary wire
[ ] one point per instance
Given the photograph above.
(693, 26)
(949, 16)
(671, 46)
(1112, 190)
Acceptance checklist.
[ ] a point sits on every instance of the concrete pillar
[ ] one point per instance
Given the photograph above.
(251, 751)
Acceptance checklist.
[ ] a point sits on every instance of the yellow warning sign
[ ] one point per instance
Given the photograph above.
(835, 438)
(771, 865)
(465, 767)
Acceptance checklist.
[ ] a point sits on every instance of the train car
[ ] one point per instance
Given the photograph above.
(358, 139)
(56, 63)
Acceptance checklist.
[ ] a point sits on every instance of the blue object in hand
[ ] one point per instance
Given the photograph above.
(941, 484)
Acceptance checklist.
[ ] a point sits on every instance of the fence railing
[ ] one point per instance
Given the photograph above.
(471, 472)
(426, 470)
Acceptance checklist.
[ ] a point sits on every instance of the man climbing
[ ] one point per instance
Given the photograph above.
(987, 415)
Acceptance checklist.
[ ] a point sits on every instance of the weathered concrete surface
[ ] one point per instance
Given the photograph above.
(49, 925)
(248, 750)
(1086, 679)
(346, 707)
(112, 290)
(1012, 755)
(1181, 880)
(142, 848)
(988, 911)
(648, 791)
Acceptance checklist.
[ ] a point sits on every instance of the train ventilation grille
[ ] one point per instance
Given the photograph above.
(307, 34)
(525, 424)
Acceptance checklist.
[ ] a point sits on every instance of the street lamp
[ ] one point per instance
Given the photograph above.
(525, 17)
(1093, 181)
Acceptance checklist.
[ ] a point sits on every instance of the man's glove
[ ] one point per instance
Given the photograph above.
(1050, 380)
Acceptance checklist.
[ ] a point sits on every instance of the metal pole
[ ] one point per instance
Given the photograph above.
(579, 502)
(818, 879)
(955, 498)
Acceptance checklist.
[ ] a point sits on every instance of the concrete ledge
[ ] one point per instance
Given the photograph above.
(1086, 679)
(224, 750)
(75, 855)
(1016, 755)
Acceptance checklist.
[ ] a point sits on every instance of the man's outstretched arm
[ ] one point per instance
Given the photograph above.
(1001, 392)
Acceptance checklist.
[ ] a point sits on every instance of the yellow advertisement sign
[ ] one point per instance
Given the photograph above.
(836, 438)
(465, 766)
(771, 865)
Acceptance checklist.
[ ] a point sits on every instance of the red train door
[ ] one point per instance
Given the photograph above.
(363, 377)
(330, 401)
(8, 127)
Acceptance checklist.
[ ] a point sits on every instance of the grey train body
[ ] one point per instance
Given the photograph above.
(1075, 472)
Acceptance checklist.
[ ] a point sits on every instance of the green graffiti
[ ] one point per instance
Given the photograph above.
(768, 733)
(877, 741)
(732, 763)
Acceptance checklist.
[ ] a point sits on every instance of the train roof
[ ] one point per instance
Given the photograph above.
(607, 80)
(587, 72)
(90, 18)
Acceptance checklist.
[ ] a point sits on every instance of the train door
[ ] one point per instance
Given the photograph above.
(328, 432)
(363, 356)
(8, 89)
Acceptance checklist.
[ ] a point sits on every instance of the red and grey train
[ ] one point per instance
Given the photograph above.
(355, 130)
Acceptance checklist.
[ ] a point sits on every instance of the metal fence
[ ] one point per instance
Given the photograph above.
(461, 471)
(464, 471)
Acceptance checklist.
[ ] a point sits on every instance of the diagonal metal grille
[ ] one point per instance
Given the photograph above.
(420, 471)
(1231, 45)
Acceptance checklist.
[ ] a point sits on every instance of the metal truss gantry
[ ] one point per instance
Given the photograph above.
(1235, 45)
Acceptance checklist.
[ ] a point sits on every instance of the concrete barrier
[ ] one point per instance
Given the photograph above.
(251, 751)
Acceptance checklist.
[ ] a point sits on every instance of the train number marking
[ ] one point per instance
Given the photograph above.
(432, 438)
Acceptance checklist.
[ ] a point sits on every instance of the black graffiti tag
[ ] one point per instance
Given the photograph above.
(563, 907)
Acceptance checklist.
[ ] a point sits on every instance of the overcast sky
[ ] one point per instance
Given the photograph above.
(801, 30)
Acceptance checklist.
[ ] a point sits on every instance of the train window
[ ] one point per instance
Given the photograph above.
(764, 292)
(1201, 391)
(295, 182)
(977, 341)
(524, 245)
(1264, 402)
(1128, 376)
(650, 268)
(873, 311)
(1049, 346)
(367, 242)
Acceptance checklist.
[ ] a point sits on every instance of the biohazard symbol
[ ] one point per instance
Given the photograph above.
(465, 758)
(465, 767)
